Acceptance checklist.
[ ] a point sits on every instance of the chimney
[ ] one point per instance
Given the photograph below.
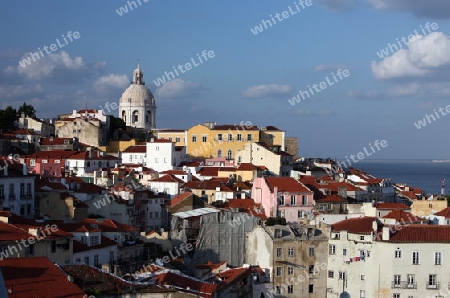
(242, 195)
(386, 234)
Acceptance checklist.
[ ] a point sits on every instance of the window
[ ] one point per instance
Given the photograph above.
(281, 200)
(83, 239)
(219, 137)
(86, 260)
(239, 137)
(437, 258)
(194, 138)
(398, 254)
(311, 289)
(311, 269)
(330, 274)
(290, 251)
(331, 249)
(415, 258)
(32, 162)
(341, 275)
(249, 137)
(278, 290)
(362, 294)
(157, 148)
(170, 139)
(156, 214)
(432, 281)
(96, 260)
(177, 139)
(230, 154)
(150, 215)
(95, 240)
(278, 271)
(397, 280)
(361, 238)
(293, 200)
(304, 200)
(30, 250)
(53, 246)
(156, 160)
(396, 295)
(279, 252)
(290, 270)
(204, 138)
(410, 281)
(344, 252)
(22, 189)
(290, 289)
(230, 137)
(363, 277)
(311, 252)
(165, 160)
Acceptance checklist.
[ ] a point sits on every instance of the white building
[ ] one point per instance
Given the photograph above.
(135, 155)
(37, 125)
(16, 188)
(137, 106)
(90, 161)
(168, 184)
(163, 155)
(369, 259)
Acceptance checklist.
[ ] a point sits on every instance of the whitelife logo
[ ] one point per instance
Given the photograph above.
(53, 48)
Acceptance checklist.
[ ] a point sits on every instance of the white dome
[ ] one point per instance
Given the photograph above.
(139, 94)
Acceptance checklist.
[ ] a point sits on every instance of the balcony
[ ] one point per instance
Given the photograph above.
(409, 285)
(434, 286)
(396, 285)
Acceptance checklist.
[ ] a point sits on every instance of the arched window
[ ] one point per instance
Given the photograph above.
(148, 116)
(124, 116)
(135, 116)
(230, 154)
(219, 153)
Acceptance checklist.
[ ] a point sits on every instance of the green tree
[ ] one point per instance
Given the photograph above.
(7, 118)
(28, 110)
(116, 123)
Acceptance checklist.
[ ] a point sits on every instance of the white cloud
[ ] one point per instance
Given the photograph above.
(57, 68)
(431, 8)
(178, 88)
(366, 95)
(424, 57)
(112, 80)
(328, 67)
(272, 90)
(20, 91)
(405, 90)
(338, 5)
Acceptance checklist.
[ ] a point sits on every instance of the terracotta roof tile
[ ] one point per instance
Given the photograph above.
(444, 212)
(80, 247)
(36, 277)
(421, 234)
(287, 184)
(404, 217)
(186, 284)
(136, 149)
(362, 225)
(391, 206)
(168, 178)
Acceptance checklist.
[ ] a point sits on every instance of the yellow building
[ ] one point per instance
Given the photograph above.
(209, 140)
(174, 135)
(426, 208)
(273, 136)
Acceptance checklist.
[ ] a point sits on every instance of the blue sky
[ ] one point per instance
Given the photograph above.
(252, 77)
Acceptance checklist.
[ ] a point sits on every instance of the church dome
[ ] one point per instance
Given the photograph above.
(137, 107)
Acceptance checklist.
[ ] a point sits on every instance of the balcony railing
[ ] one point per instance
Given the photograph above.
(409, 285)
(396, 285)
(435, 286)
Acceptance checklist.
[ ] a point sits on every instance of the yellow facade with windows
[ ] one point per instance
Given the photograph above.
(177, 136)
(210, 141)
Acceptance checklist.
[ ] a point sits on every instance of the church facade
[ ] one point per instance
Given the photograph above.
(137, 107)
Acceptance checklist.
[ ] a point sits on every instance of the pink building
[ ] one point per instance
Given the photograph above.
(283, 196)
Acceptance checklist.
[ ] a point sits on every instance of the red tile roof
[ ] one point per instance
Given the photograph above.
(186, 284)
(174, 172)
(247, 206)
(210, 184)
(421, 234)
(95, 156)
(209, 265)
(285, 184)
(168, 178)
(136, 149)
(444, 212)
(391, 206)
(36, 277)
(331, 199)
(231, 276)
(404, 217)
(247, 167)
(110, 225)
(362, 225)
(54, 154)
(179, 198)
